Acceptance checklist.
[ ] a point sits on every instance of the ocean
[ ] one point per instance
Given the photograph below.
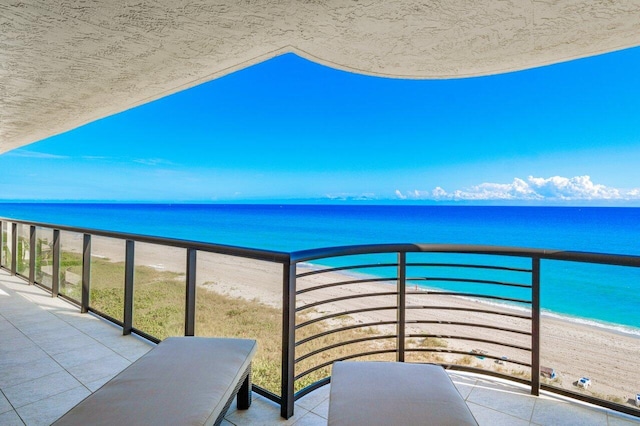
(599, 295)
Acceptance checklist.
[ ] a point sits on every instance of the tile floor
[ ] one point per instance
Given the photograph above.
(51, 357)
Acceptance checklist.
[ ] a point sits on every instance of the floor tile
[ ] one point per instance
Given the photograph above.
(553, 412)
(98, 369)
(82, 356)
(313, 399)
(463, 384)
(10, 418)
(616, 420)
(489, 417)
(9, 330)
(513, 404)
(262, 412)
(38, 389)
(322, 409)
(28, 371)
(97, 384)
(33, 320)
(75, 341)
(61, 334)
(46, 411)
(19, 356)
(15, 341)
(95, 327)
(311, 419)
(4, 404)
(133, 354)
(133, 350)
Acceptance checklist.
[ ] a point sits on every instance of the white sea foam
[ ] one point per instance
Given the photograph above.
(606, 326)
(603, 325)
(616, 328)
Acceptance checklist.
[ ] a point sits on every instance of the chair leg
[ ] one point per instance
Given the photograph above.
(244, 394)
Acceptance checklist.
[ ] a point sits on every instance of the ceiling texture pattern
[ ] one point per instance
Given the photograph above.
(64, 63)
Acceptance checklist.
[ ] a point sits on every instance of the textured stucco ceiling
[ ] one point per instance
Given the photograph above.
(64, 63)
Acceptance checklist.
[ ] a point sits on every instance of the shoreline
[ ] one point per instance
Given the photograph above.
(598, 324)
(621, 329)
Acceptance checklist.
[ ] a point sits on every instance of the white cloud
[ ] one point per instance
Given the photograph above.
(438, 192)
(153, 161)
(23, 153)
(555, 188)
(94, 157)
(365, 196)
(400, 195)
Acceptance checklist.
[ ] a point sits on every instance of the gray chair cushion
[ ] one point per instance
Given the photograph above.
(394, 393)
(183, 381)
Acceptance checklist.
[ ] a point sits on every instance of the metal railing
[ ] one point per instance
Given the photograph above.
(371, 302)
(19, 255)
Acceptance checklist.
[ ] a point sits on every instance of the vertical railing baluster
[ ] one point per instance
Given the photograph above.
(32, 255)
(129, 268)
(86, 273)
(190, 299)
(402, 304)
(55, 268)
(535, 326)
(14, 247)
(288, 339)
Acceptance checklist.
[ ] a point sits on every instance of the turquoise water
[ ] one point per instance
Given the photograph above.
(584, 292)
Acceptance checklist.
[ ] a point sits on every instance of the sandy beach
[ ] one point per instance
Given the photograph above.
(572, 349)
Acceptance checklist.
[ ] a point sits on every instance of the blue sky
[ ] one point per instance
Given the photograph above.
(292, 130)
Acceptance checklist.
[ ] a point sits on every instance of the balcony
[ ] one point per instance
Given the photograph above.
(365, 303)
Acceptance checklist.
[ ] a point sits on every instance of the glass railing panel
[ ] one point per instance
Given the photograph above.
(159, 290)
(44, 257)
(238, 297)
(591, 329)
(22, 250)
(71, 264)
(6, 244)
(107, 276)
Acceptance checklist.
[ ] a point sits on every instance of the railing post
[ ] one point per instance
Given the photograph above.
(190, 302)
(535, 326)
(86, 273)
(14, 247)
(32, 255)
(129, 267)
(402, 304)
(55, 268)
(288, 339)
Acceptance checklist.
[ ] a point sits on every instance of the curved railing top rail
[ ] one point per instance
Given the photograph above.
(258, 254)
(551, 254)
